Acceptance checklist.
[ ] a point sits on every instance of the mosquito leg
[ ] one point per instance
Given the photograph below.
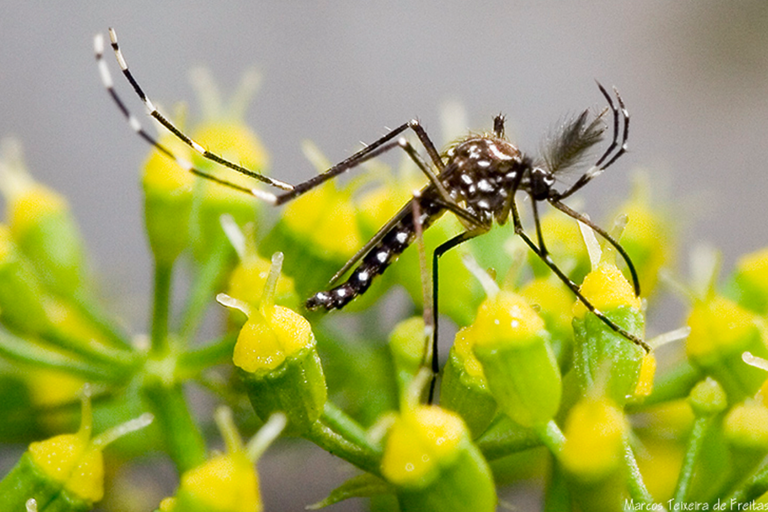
(421, 133)
(608, 238)
(422, 165)
(368, 152)
(547, 259)
(537, 223)
(429, 317)
(152, 110)
(134, 123)
(439, 251)
(376, 148)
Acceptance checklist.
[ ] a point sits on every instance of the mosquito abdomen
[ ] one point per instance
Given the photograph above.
(376, 261)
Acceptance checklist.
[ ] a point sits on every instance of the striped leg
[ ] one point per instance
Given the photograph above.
(378, 147)
(543, 254)
(134, 123)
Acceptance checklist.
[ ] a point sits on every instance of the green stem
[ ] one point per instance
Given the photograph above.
(90, 309)
(635, 484)
(338, 435)
(219, 351)
(183, 440)
(505, 437)
(24, 351)
(557, 497)
(90, 349)
(161, 307)
(695, 442)
(551, 436)
(204, 288)
(752, 488)
(341, 423)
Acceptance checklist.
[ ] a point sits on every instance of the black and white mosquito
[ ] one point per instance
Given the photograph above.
(476, 179)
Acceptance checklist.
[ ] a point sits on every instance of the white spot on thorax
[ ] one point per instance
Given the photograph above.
(498, 153)
(485, 185)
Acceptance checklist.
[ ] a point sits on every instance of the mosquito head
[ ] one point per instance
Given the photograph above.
(541, 182)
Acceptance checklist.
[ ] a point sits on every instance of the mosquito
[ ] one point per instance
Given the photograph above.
(476, 179)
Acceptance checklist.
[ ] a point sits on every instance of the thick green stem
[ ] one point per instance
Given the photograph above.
(340, 422)
(161, 307)
(183, 440)
(204, 289)
(557, 496)
(635, 484)
(749, 490)
(551, 436)
(18, 349)
(695, 443)
(340, 435)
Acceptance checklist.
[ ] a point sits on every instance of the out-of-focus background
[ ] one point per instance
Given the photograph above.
(693, 74)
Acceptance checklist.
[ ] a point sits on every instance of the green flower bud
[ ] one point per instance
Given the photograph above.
(746, 426)
(708, 398)
(43, 227)
(407, 344)
(603, 357)
(280, 367)
(434, 466)
(592, 454)
(167, 201)
(278, 360)
(513, 348)
(721, 331)
(22, 306)
(750, 281)
(464, 388)
(236, 142)
(66, 472)
(648, 237)
(554, 303)
(226, 482)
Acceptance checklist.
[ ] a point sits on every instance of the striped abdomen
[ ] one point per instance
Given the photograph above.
(378, 258)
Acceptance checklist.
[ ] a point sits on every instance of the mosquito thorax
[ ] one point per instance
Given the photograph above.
(479, 171)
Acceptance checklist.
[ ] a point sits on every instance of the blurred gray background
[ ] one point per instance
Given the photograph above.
(693, 74)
